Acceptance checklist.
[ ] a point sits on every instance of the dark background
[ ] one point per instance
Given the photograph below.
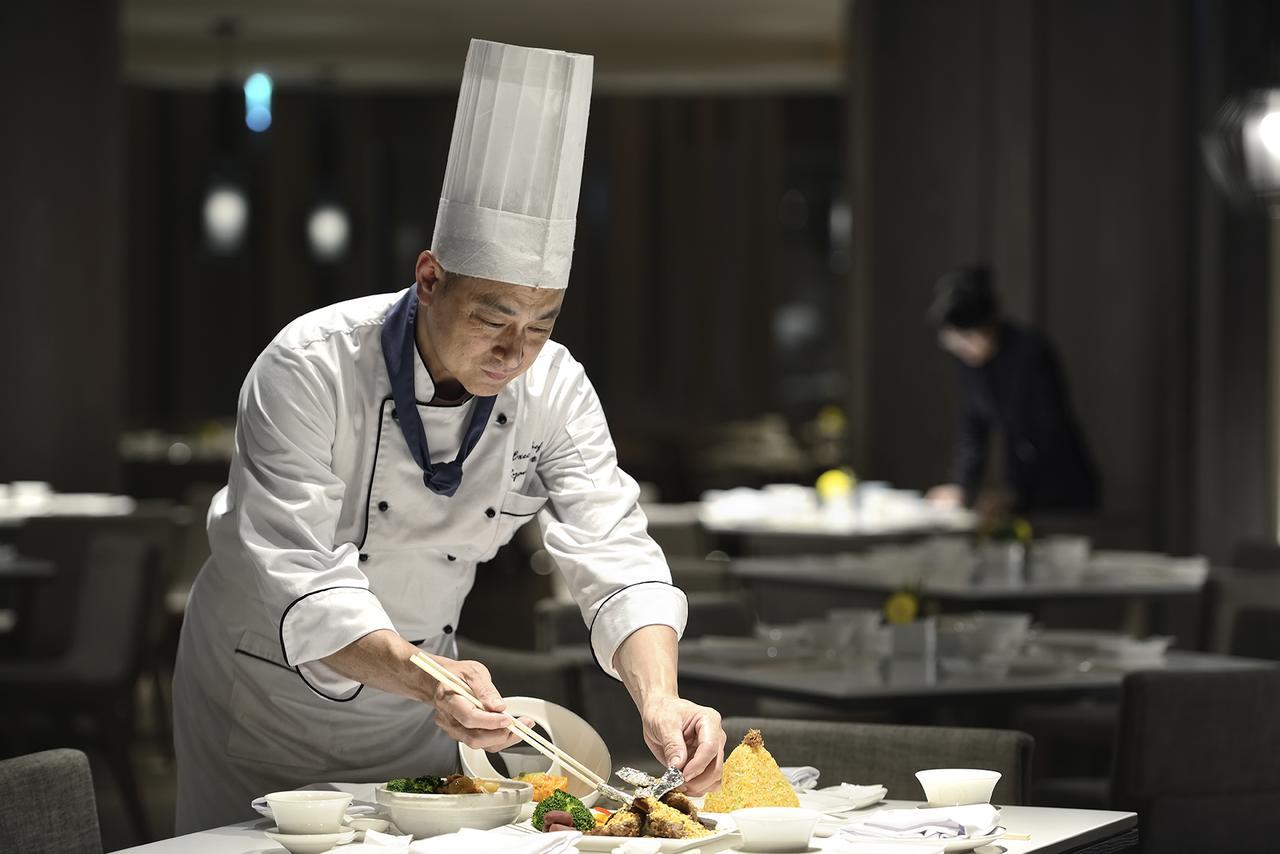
(1056, 139)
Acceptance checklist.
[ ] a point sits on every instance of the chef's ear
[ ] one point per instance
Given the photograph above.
(432, 278)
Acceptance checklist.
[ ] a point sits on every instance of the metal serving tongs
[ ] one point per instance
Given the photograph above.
(649, 786)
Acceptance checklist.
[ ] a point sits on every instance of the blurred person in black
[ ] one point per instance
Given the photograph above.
(1011, 381)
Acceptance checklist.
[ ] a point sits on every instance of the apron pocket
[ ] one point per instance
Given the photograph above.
(275, 718)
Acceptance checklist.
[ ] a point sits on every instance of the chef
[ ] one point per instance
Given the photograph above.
(387, 445)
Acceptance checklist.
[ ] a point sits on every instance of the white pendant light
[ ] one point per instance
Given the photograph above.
(226, 217)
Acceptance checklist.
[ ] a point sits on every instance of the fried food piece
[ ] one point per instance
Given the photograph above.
(623, 822)
(680, 801)
(751, 779)
(460, 784)
(668, 823)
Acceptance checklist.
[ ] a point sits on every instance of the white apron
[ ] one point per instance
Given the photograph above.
(325, 532)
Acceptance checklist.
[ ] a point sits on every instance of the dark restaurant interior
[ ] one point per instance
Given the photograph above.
(863, 287)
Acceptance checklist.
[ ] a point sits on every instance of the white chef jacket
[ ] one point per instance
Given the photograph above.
(325, 532)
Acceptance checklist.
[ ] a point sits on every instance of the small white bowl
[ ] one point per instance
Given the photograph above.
(361, 823)
(432, 815)
(775, 828)
(310, 811)
(949, 787)
(310, 843)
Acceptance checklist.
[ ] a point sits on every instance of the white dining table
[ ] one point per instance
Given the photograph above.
(1051, 830)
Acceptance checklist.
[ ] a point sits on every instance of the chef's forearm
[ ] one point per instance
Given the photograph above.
(381, 660)
(646, 661)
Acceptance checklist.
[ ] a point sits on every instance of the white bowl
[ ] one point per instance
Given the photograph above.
(310, 843)
(310, 811)
(949, 787)
(775, 828)
(1133, 649)
(566, 730)
(432, 815)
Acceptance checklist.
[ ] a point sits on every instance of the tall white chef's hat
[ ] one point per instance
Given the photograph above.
(510, 198)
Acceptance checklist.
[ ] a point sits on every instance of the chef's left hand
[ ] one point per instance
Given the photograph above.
(687, 736)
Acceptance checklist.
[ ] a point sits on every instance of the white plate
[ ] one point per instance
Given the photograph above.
(309, 843)
(834, 803)
(667, 846)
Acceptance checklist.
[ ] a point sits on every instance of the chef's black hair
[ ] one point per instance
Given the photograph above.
(965, 299)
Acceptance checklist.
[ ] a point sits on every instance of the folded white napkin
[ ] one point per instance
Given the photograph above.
(802, 777)
(854, 792)
(502, 840)
(937, 823)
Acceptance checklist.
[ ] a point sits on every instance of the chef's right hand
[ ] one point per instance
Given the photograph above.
(463, 722)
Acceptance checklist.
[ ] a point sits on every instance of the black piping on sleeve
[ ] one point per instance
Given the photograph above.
(592, 629)
(285, 653)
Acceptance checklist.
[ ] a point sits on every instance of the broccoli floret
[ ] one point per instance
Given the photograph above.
(561, 800)
(426, 785)
(582, 818)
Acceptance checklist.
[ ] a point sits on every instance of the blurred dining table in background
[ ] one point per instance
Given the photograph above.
(790, 518)
(23, 500)
(921, 685)
(801, 586)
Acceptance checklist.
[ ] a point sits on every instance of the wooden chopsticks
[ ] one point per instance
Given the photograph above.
(532, 738)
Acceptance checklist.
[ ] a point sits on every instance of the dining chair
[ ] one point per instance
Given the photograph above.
(65, 541)
(95, 678)
(1196, 759)
(47, 804)
(1255, 633)
(1256, 554)
(890, 754)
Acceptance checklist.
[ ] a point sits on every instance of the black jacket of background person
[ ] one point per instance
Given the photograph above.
(1021, 392)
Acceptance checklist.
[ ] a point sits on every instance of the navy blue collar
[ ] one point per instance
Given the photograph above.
(399, 352)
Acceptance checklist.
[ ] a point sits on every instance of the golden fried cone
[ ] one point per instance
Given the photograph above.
(751, 779)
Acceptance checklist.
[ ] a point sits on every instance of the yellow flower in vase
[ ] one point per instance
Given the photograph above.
(902, 607)
(835, 484)
(1022, 531)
